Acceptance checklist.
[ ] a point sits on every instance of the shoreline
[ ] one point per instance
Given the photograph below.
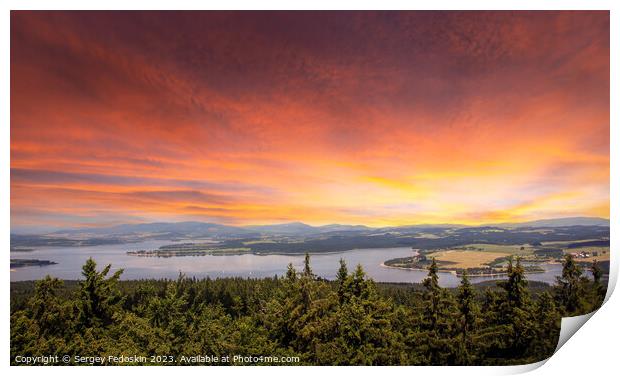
(152, 253)
(415, 269)
(454, 272)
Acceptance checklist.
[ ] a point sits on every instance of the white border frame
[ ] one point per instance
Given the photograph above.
(603, 329)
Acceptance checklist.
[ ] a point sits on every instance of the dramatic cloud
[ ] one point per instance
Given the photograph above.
(358, 117)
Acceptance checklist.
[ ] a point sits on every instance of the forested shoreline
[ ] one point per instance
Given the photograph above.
(349, 321)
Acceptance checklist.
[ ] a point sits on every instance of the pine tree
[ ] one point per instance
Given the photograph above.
(469, 311)
(307, 268)
(169, 314)
(599, 289)
(597, 273)
(547, 327)
(99, 297)
(358, 330)
(432, 295)
(52, 316)
(306, 286)
(291, 273)
(490, 307)
(341, 276)
(343, 272)
(516, 310)
(515, 287)
(358, 284)
(438, 318)
(569, 289)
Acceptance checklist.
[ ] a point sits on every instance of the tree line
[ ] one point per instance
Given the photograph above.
(349, 321)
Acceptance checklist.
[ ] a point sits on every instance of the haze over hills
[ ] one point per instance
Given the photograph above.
(302, 228)
(296, 237)
(557, 222)
(197, 229)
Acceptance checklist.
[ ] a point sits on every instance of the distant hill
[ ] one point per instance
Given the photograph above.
(166, 230)
(337, 227)
(299, 228)
(329, 238)
(558, 222)
(284, 228)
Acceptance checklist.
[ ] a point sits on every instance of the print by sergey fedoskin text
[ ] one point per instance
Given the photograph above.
(306, 188)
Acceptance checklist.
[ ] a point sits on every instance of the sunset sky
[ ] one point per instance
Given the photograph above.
(360, 118)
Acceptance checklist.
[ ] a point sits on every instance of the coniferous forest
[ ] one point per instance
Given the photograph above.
(297, 318)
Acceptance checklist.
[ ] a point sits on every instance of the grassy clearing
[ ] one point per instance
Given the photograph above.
(524, 249)
(466, 259)
(479, 255)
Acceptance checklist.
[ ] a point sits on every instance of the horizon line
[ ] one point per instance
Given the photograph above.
(480, 224)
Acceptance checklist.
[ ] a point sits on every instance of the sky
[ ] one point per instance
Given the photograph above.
(374, 118)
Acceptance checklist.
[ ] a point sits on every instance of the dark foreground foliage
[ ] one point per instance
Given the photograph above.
(350, 321)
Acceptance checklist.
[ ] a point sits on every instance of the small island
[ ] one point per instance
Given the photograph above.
(21, 249)
(189, 249)
(21, 263)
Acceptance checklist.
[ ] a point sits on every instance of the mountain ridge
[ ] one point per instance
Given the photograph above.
(300, 228)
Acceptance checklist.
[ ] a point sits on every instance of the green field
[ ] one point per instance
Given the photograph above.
(523, 249)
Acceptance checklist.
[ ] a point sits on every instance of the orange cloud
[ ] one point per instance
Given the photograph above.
(373, 118)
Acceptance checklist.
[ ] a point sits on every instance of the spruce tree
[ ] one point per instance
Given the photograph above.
(516, 310)
(291, 273)
(169, 313)
(517, 294)
(598, 288)
(307, 268)
(468, 309)
(358, 285)
(99, 297)
(569, 288)
(341, 276)
(343, 272)
(52, 315)
(307, 286)
(597, 273)
(438, 319)
(547, 327)
(432, 295)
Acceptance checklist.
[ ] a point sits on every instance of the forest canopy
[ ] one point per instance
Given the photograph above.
(298, 318)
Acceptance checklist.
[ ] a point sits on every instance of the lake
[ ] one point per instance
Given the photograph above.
(71, 259)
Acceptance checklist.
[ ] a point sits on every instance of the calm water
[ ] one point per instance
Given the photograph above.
(71, 259)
